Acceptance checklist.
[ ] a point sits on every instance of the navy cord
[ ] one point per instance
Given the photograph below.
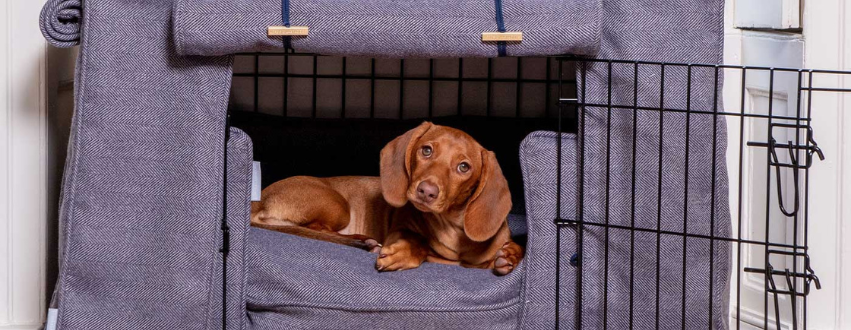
(285, 17)
(500, 26)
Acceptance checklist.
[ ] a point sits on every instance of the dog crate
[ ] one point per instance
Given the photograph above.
(634, 250)
(649, 194)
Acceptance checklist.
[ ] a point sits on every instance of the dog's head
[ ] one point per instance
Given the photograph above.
(440, 169)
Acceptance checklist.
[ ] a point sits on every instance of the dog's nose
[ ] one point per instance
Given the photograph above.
(427, 191)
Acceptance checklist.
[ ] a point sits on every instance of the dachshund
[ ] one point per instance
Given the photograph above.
(440, 197)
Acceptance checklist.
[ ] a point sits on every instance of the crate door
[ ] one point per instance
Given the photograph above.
(757, 210)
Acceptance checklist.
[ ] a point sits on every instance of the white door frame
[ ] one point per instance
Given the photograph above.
(826, 44)
(23, 165)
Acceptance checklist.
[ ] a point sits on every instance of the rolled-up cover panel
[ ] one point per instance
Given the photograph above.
(60, 22)
(388, 28)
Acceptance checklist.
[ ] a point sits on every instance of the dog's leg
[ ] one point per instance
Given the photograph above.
(402, 250)
(507, 258)
(307, 207)
(357, 241)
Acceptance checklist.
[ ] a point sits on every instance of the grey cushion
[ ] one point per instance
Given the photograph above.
(295, 282)
(438, 28)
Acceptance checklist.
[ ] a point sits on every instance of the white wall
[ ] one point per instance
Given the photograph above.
(23, 166)
(827, 34)
(825, 43)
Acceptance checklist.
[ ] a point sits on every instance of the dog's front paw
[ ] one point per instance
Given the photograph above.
(398, 256)
(507, 258)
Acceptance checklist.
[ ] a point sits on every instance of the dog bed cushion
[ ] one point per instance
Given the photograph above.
(294, 282)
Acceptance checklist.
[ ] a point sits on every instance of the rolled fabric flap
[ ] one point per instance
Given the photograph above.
(60, 22)
(389, 28)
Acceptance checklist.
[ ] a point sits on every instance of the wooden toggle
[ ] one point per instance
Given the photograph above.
(502, 36)
(289, 31)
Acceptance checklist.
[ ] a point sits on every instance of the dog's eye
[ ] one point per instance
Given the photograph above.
(463, 167)
(426, 151)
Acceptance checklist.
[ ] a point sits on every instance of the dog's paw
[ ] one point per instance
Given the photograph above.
(365, 243)
(398, 256)
(507, 258)
(372, 245)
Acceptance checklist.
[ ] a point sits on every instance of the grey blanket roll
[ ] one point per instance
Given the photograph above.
(60, 22)
(438, 28)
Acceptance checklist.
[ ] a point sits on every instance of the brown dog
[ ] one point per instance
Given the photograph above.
(441, 197)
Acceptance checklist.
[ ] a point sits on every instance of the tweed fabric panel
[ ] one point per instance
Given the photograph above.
(538, 160)
(672, 150)
(399, 29)
(304, 318)
(141, 198)
(240, 157)
(302, 279)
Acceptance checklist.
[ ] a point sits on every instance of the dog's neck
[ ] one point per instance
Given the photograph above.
(448, 238)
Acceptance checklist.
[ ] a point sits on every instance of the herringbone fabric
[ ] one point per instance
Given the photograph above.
(683, 151)
(424, 29)
(142, 188)
(60, 22)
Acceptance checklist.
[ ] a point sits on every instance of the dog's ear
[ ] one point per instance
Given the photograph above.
(396, 165)
(489, 205)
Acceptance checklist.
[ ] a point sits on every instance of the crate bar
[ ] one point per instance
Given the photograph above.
(315, 76)
(256, 83)
(712, 201)
(659, 190)
(821, 89)
(581, 229)
(343, 92)
(700, 112)
(807, 188)
(489, 87)
(558, 206)
(685, 191)
(722, 66)
(518, 87)
(739, 224)
(608, 181)
(670, 64)
(372, 88)
(359, 77)
(430, 88)
(402, 89)
(795, 219)
(768, 202)
(678, 234)
(632, 201)
(547, 83)
(286, 83)
(460, 81)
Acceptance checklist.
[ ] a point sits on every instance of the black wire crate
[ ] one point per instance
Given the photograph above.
(691, 203)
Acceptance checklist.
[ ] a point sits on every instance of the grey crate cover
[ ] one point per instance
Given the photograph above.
(142, 192)
(436, 28)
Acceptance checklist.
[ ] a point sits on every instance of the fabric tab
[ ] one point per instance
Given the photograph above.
(256, 187)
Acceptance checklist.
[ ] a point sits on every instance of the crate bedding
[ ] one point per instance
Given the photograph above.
(142, 190)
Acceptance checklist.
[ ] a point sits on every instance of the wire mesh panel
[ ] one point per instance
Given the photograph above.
(693, 188)
(314, 86)
(759, 127)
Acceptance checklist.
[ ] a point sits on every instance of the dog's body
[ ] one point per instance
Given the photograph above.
(441, 197)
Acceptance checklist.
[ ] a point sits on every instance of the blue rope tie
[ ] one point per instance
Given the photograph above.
(285, 17)
(500, 26)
